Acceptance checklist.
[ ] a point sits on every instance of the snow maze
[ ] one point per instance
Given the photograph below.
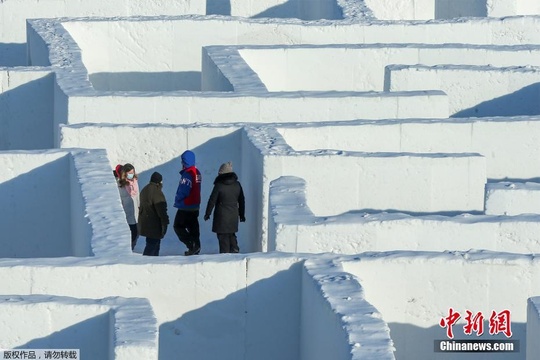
(389, 152)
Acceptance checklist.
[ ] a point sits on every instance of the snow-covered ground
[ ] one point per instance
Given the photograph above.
(389, 153)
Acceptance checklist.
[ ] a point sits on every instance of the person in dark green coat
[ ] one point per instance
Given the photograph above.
(228, 199)
(153, 218)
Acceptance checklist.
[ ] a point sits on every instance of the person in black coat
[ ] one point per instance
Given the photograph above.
(228, 199)
(153, 218)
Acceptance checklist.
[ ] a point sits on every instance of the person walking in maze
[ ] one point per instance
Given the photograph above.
(128, 187)
(228, 199)
(153, 218)
(188, 201)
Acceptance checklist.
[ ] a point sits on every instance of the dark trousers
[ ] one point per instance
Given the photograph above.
(228, 243)
(186, 227)
(134, 235)
(152, 247)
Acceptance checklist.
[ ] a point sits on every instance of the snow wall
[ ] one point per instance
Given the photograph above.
(229, 291)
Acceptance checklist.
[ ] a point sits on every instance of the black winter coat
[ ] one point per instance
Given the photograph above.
(153, 218)
(228, 198)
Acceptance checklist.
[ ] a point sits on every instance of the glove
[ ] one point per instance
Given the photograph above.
(206, 217)
(242, 219)
(163, 230)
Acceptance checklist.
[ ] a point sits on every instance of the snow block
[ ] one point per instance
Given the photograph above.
(431, 283)
(509, 198)
(294, 228)
(501, 140)
(110, 328)
(510, 91)
(361, 67)
(337, 321)
(533, 327)
(85, 220)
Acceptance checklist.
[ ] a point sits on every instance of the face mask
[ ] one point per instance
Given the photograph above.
(130, 176)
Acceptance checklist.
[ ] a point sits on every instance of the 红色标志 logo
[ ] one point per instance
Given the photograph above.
(497, 323)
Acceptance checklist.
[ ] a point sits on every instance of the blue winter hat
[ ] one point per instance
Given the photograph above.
(188, 158)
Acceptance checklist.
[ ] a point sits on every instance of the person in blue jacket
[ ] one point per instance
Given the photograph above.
(188, 201)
